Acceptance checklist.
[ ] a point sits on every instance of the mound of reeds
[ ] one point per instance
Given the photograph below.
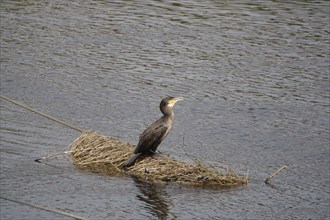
(104, 153)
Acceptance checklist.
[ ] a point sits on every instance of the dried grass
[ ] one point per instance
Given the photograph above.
(106, 154)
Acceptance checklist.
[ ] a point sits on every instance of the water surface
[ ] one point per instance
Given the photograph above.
(255, 77)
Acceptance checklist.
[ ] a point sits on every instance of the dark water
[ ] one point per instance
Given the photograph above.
(256, 81)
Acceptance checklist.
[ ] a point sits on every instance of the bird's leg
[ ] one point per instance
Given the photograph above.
(155, 153)
(152, 151)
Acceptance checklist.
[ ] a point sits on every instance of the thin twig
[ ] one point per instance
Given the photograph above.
(185, 152)
(267, 181)
(46, 158)
(247, 176)
(41, 113)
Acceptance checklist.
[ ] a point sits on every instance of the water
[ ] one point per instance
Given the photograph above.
(255, 77)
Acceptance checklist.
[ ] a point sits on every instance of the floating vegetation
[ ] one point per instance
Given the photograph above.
(107, 154)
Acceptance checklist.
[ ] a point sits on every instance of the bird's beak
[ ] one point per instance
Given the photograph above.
(178, 99)
(174, 100)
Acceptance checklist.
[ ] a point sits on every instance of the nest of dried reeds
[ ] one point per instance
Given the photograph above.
(107, 154)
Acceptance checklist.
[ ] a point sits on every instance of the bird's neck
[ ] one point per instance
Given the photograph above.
(167, 112)
(168, 119)
(168, 115)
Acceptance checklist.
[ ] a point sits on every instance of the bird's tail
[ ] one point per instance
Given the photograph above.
(131, 160)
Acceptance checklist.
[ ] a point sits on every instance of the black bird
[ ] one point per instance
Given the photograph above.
(154, 134)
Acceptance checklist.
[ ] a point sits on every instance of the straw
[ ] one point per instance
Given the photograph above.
(107, 154)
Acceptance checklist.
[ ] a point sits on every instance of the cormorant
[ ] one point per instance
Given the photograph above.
(154, 134)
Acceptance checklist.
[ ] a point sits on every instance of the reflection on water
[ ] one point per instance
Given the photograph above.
(255, 76)
(155, 198)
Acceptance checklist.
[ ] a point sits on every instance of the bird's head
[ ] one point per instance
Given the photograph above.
(167, 104)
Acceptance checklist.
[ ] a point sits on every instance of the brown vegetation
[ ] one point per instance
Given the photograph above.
(104, 153)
